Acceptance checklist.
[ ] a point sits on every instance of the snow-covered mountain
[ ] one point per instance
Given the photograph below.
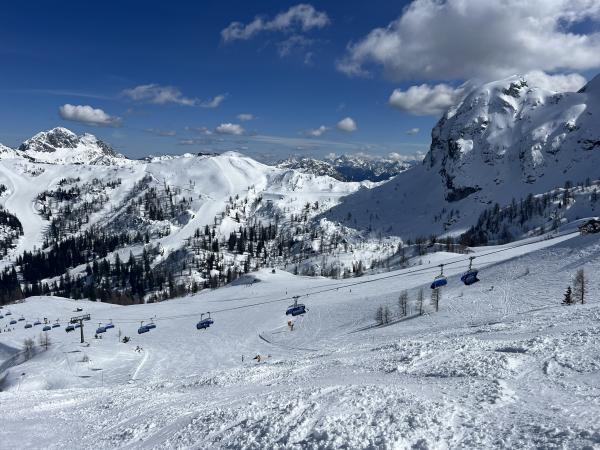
(62, 146)
(359, 167)
(311, 165)
(508, 132)
(8, 153)
(355, 167)
(504, 140)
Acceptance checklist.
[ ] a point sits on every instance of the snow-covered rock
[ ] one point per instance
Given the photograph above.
(62, 146)
(504, 140)
(508, 132)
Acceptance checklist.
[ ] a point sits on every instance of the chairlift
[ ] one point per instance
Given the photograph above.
(109, 325)
(1, 316)
(70, 328)
(204, 323)
(151, 325)
(77, 325)
(470, 276)
(28, 325)
(13, 322)
(37, 322)
(440, 280)
(8, 313)
(21, 319)
(46, 328)
(143, 329)
(296, 309)
(100, 329)
(56, 324)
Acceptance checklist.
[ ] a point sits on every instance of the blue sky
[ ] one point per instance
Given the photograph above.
(173, 77)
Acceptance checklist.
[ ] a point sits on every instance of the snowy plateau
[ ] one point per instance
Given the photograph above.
(148, 248)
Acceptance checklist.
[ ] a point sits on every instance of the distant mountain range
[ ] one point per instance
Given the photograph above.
(352, 167)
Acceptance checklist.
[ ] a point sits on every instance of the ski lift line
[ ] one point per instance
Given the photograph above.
(348, 285)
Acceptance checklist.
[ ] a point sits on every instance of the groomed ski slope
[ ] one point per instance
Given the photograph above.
(502, 367)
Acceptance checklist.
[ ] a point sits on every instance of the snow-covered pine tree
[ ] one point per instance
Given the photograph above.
(568, 300)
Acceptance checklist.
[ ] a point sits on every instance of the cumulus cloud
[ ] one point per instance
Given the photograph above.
(230, 128)
(463, 39)
(426, 100)
(245, 117)
(88, 115)
(347, 124)
(559, 83)
(317, 132)
(413, 131)
(304, 17)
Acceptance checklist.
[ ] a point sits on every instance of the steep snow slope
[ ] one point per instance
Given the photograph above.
(505, 140)
(502, 364)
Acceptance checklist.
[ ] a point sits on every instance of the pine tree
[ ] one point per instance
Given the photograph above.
(379, 315)
(568, 300)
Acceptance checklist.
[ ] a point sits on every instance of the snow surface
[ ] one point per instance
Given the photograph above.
(501, 365)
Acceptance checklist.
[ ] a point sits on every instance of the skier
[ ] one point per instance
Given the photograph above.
(291, 325)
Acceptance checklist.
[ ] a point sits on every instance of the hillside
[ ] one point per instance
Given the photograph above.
(503, 141)
(500, 364)
(195, 221)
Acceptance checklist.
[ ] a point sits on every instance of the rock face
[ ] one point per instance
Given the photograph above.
(505, 140)
(62, 146)
(508, 132)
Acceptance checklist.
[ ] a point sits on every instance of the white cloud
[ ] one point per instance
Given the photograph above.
(160, 95)
(230, 128)
(201, 130)
(463, 39)
(413, 131)
(294, 42)
(303, 16)
(87, 114)
(347, 124)
(162, 133)
(317, 132)
(245, 117)
(214, 102)
(425, 100)
(559, 83)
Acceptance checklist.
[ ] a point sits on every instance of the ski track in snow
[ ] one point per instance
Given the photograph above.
(502, 368)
